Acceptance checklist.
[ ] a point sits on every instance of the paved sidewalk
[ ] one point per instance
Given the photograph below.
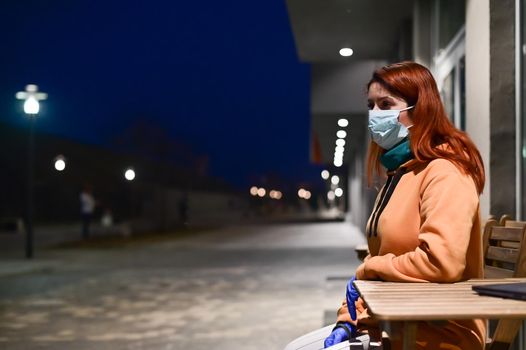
(249, 287)
(23, 266)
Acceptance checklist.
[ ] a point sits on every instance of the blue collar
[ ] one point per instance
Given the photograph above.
(397, 156)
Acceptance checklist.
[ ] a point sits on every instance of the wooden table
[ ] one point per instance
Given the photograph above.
(409, 303)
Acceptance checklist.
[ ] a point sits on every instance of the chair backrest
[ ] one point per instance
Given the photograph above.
(504, 250)
(506, 220)
(504, 256)
(503, 219)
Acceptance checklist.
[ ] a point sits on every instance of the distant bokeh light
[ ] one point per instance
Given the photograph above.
(340, 142)
(341, 134)
(343, 122)
(338, 192)
(330, 195)
(129, 174)
(335, 180)
(254, 190)
(262, 192)
(275, 194)
(325, 174)
(60, 163)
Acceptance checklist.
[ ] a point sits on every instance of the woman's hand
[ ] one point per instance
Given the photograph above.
(345, 330)
(341, 332)
(352, 296)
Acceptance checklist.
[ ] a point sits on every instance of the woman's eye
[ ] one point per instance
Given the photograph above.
(385, 105)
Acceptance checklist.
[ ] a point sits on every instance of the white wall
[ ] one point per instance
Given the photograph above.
(478, 85)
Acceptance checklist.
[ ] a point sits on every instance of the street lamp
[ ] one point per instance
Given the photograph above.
(129, 174)
(31, 107)
(60, 163)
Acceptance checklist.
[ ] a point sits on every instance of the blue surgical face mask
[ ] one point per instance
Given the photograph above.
(384, 127)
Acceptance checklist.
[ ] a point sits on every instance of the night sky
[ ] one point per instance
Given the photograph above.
(220, 76)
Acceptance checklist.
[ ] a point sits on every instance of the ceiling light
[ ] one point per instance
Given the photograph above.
(346, 52)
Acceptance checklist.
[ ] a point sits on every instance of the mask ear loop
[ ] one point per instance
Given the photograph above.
(405, 109)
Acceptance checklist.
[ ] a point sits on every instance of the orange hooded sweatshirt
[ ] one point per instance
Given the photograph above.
(428, 231)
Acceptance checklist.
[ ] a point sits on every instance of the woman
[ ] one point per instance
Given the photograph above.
(425, 225)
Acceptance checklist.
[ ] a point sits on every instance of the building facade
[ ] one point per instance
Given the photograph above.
(475, 49)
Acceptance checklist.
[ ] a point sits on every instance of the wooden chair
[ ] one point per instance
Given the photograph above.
(504, 251)
(506, 220)
(504, 257)
(502, 219)
(362, 250)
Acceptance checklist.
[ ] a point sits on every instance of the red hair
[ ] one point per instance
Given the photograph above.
(415, 84)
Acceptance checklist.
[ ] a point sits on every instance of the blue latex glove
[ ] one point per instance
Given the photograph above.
(352, 296)
(345, 330)
(342, 332)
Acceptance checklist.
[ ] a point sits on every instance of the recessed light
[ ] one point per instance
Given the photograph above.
(343, 122)
(346, 52)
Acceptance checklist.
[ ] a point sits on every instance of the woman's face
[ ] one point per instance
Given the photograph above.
(380, 98)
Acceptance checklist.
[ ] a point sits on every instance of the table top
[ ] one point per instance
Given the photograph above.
(393, 301)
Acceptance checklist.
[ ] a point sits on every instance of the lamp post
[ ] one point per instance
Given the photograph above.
(31, 107)
(129, 175)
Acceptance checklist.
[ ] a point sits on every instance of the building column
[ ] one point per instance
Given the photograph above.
(502, 107)
(478, 88)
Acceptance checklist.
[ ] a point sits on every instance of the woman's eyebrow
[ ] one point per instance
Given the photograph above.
(369, 100)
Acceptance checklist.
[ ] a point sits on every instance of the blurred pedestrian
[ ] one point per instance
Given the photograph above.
(183, 209)
(87, 208)
(106, 219)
